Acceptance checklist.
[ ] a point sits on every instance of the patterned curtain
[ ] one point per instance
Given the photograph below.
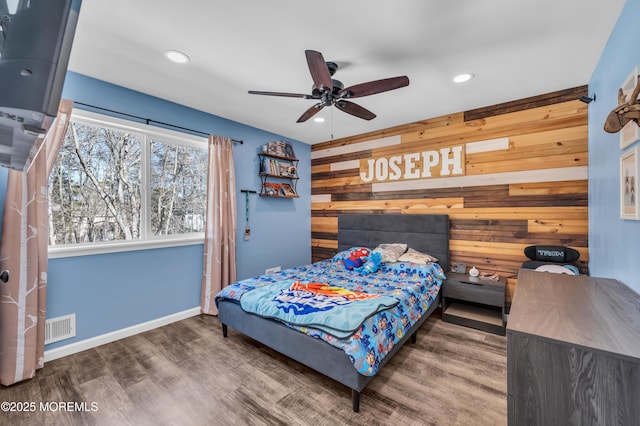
(220, 226)
(23, 253)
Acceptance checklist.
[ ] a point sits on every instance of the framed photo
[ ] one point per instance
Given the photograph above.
(286, 190)
(630, 133)
(272, 148)
(287, 170)
(629, 172)
(288, 151)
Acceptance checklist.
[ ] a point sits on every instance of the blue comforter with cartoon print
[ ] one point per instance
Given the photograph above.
(335, 310)
(414, 287)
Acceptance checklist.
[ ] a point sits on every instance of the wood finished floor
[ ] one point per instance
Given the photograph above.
(186, 373)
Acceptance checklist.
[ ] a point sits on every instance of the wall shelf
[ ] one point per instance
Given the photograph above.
(278, 175)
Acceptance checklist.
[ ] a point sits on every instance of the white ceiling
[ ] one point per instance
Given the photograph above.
(516, 49)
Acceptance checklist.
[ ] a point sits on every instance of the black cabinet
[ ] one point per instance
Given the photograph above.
(474, 302)
(279, 176)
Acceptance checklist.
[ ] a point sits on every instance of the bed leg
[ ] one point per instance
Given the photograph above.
(224, 330)
(355, 400)
(414, 337)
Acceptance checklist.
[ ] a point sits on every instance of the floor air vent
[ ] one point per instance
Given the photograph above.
(56, 329)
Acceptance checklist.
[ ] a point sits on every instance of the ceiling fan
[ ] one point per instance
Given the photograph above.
(332, 92)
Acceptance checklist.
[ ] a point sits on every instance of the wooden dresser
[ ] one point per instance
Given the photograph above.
(573, 351)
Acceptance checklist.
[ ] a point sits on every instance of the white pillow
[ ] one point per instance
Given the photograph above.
(414, 256)
(556, 269)
(391, 252)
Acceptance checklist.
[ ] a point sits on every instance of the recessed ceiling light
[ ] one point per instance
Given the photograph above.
(177, 57)
(319, 119)
(463, 78)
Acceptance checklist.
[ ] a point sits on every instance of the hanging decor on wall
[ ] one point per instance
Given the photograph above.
(629, 173)
(631, 131)
(247, 229)
(626, 116)
(447, 161)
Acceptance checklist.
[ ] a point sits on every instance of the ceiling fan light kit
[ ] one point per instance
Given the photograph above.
(331, 92)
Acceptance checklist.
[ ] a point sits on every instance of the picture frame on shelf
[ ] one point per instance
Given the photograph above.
(288, 151)
(280, 148)
(287, 170)
(629, 173)
(287, 190)
(272, 148)
(630, 133)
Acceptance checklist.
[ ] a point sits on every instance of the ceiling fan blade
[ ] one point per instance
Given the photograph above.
(319, 70)
(354, 109)
(373, 87)
(310, 112)
(287, 95)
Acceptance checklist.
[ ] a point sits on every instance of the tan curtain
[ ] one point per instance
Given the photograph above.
(220, 226)
(23, 253)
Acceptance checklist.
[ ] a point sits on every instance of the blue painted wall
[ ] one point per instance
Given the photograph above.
(113, 291)
(614, 244)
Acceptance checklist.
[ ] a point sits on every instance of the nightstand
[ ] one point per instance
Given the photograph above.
(474, 302)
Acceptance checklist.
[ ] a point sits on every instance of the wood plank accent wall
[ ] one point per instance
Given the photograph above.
(525, 181)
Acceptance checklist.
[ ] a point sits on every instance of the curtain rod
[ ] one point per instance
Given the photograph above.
(149, 120)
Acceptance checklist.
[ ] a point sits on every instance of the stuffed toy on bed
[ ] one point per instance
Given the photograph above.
(356, 258)
(372, 264)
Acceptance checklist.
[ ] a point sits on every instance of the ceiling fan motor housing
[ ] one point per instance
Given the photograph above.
(337, 87)
(333, 67)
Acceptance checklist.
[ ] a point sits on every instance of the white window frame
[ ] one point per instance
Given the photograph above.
(147, 240)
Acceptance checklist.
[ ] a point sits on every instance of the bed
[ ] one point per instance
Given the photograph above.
(424, 233)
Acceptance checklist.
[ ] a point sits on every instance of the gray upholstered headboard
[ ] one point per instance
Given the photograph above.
(428, 233)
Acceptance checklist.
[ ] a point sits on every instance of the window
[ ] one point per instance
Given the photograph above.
(178, 188)
(118, 185)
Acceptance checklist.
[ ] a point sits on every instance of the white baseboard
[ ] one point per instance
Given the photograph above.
(50, 355)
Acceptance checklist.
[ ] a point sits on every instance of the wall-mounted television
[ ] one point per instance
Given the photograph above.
(35, 43)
